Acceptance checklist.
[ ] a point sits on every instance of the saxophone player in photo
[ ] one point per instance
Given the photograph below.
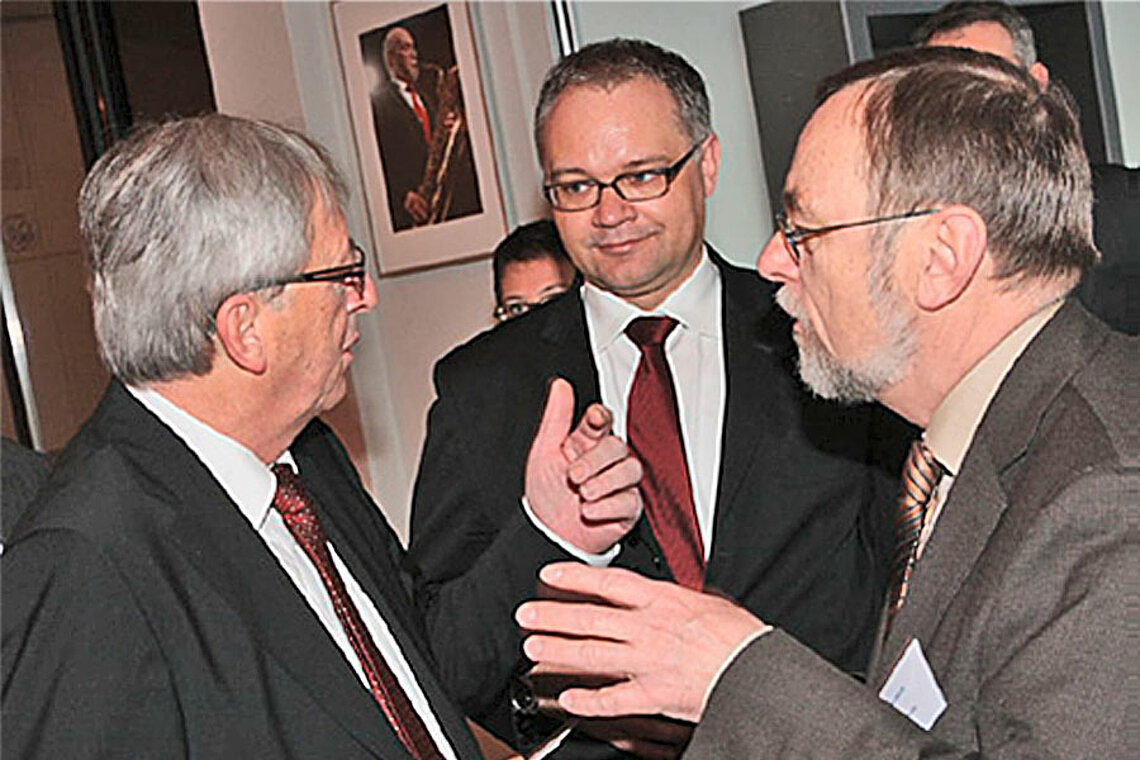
(421, 126)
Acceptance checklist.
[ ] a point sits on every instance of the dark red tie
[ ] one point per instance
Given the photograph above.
(654, 430)
(295, 506)
(421, 112)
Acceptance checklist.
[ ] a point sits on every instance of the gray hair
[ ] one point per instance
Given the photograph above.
(948, 125)
(610, 63)
(958, 15)
(180, 216)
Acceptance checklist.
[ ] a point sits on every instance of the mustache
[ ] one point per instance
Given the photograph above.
(787, 301)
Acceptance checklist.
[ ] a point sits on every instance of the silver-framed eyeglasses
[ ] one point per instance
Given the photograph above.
(794, 235)
(349, 275)
(635, 186)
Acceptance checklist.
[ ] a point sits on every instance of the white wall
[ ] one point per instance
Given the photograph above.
(1122, 30)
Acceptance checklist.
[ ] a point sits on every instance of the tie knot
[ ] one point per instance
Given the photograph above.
(411, 88)
(650, 331)
(291, 497)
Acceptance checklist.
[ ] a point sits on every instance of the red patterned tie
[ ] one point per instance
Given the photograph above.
(421, 112)
(921, 474)
(654, 430)
(295, 506)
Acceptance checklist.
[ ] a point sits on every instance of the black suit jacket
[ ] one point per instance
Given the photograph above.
(801, 527)
(1023, 600)
(1109, 290)
(144, 617)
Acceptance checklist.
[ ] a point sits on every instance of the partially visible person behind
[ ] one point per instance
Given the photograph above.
(530, 268)
(1109, 289)
(937, 214)
(203, 574)
(988, 27)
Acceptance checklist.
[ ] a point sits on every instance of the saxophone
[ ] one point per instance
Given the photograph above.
(448, 142)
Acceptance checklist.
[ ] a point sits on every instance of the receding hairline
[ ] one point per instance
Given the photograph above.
(608, 86)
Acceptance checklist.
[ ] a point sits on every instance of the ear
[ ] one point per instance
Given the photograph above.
(710, 164)
(952, 258)
(1041, 73)
(237, 331)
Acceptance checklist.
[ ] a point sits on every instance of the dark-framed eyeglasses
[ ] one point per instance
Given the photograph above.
(640, 185)
(351, 276)
(507, 311)
(793, 235)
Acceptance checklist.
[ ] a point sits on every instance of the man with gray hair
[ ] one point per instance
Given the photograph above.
(204, 575)
(937, 214)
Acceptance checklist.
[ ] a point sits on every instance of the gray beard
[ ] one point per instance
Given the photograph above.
(861, 381)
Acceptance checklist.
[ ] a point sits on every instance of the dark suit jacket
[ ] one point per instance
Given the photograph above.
(1110, 290)
(798, 506)
(143, 616)
(1018, 601)
(23, 471)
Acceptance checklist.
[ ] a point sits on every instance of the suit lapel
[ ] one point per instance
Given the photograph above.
(748, 359)
(367, 545)
(978, 498)
(968, 519)
(566, 349)
(232, 559)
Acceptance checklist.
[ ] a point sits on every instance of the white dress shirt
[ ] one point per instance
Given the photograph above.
(251, 486)
(695, 352)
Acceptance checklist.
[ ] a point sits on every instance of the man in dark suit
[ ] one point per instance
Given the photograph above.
(787, 505)
(938, 215)
(405, 112)
(203, 574)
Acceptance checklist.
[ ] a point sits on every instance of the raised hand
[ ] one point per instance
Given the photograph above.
(582, 484)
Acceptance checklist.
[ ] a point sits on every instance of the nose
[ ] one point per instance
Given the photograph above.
(368, 298)
(612, 210)
(775, 263)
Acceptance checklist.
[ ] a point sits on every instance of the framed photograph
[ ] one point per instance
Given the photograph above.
(422, 132)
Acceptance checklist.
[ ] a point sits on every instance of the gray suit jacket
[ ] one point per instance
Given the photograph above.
(1018, 600)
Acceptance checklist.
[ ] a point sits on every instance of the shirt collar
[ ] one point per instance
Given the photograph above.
(688, 304)
(954, 422)
(244, 477)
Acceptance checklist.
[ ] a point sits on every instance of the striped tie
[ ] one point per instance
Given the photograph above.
(920, 478)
